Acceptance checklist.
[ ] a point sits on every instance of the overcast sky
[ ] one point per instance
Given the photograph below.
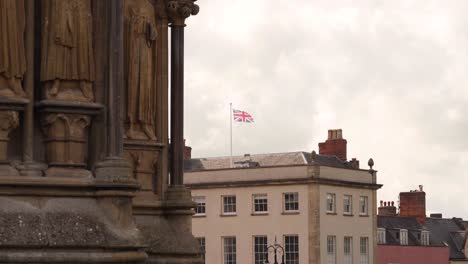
(391, 74)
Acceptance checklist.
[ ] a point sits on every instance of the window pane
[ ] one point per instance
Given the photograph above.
(348, 250)
(291, 244)
(229, 204)
(364, 250)
(291, 201)
(260, 203)
(331, 202)
(347, 204)
(201, 243)
(229, 250)
(331, 250)
(260, 249)
(201, 205)
(363, 205)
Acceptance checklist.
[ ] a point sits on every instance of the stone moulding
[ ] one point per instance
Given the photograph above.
(143, 156)
(166, 228)
(10, 109)
(65, 126)
(52, 219)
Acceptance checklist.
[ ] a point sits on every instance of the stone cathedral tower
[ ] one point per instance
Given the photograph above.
(87, 171)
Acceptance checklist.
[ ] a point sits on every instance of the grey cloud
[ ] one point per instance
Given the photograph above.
(392, 74)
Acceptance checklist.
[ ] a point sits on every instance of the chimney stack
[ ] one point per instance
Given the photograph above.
(387, 208)
(413, 204)
(187, 152)
(334, 145)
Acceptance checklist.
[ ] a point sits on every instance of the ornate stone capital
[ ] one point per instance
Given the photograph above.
(9, 120)
(179, 10)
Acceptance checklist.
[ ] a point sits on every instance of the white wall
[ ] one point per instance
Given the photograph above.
(340, 226)
(244, 226)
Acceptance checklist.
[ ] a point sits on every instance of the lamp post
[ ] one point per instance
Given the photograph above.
(275, 248)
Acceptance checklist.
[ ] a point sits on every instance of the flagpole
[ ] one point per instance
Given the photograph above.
(230, 121)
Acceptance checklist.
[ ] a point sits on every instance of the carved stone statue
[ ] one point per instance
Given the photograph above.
(140, 61)
(12, 49)
(67, 65)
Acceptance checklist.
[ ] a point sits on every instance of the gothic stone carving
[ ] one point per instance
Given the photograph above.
(66, 139)
(67, 65)
(12, 49)
(8, 121)
(143, 159)
(140, 70)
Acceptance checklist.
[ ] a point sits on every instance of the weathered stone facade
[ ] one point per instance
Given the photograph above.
(84, 143)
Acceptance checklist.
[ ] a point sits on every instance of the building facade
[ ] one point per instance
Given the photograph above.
(318, 207)
(408, 236)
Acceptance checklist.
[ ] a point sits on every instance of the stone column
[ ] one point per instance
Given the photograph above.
(115, 168)
(29, 167)
(178, 11)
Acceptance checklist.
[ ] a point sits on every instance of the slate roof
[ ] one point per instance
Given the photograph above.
(393, 224)
(265, 160)
(465, 224)
(442, 232)
(447, 231)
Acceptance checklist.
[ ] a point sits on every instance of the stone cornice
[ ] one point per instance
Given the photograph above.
(275, 182)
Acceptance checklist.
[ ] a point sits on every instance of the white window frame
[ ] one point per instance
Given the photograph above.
(202, 245)
(347, 202)
(259, 198)
(230, 255)
(404, 237)
(291, 253)
(364, 205)
(259, 250)
(223, 205)
(331, 203)
(348, 249)
(331, 249)
(364, 250)
(294, 202)
(201, 201)
(381, 236)
(425, 241)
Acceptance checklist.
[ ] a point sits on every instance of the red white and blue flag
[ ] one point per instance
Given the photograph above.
(242, 116)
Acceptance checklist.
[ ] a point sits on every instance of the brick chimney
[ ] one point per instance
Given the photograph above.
(334, 145)
(413, 204)
(187, 152)
(387, 208)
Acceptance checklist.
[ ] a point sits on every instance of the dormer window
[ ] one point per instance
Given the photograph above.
(381, 236)
(425, 238)
(403, 237)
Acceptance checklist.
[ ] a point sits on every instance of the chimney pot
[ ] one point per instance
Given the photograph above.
(438, 215)
(187, 152)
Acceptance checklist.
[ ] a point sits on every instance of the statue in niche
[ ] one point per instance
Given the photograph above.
(140, 73)
(12, 49)
(67, 65)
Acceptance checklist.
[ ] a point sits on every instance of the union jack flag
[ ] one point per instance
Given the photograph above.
(241, 116)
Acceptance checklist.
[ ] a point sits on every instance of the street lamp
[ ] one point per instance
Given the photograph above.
(275, 248)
